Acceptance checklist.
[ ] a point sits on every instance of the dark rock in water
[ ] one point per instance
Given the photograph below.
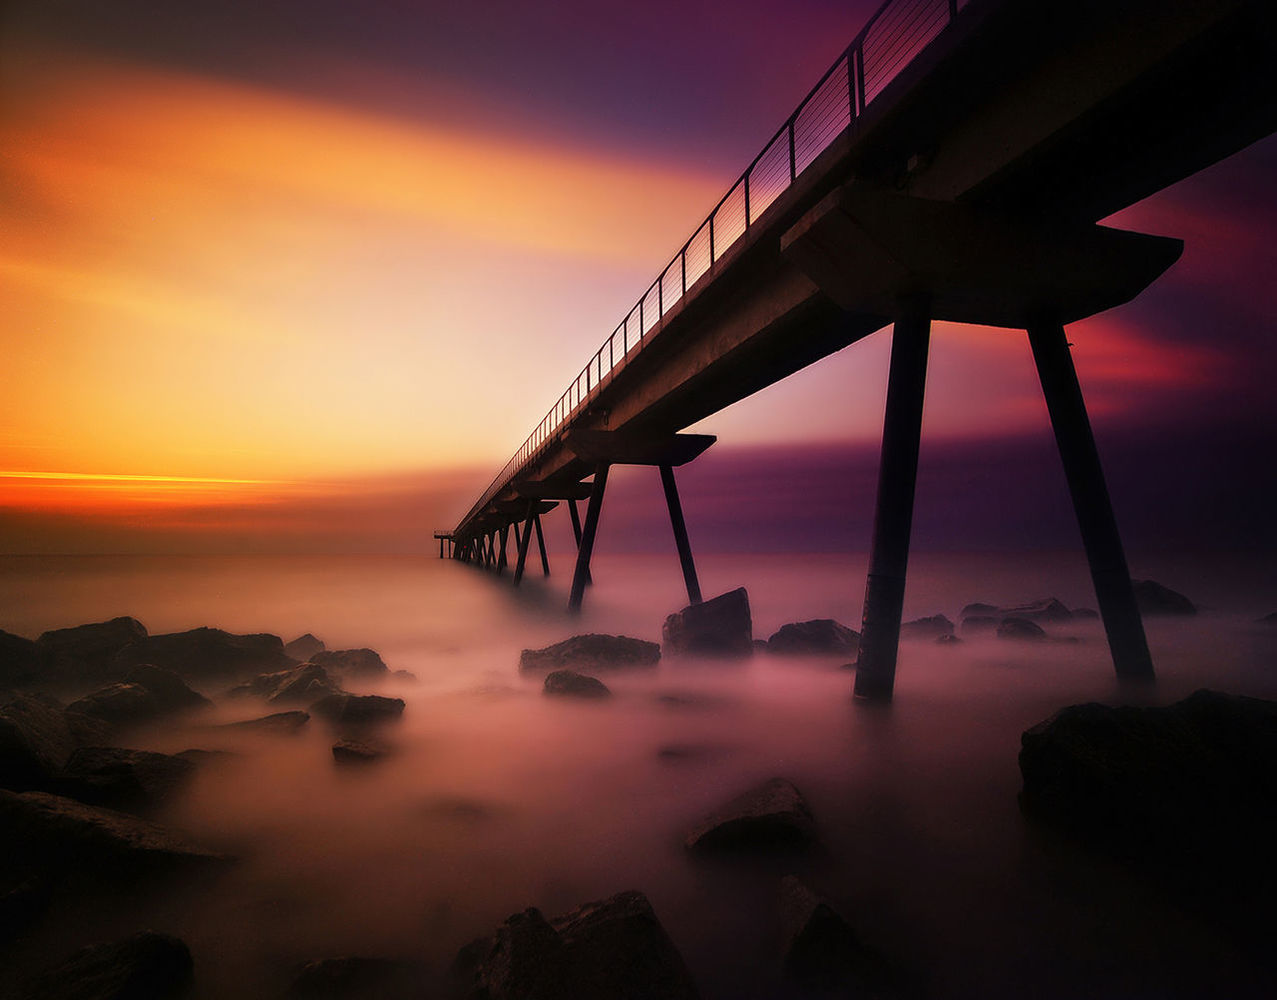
(772, 816)
(569, 682)
(358, 709)
(357, 752)
(304, 647)
(822, 953)
(171, 693)
(123, 779)
(87, 651)
(58, 834)
(23, 904)
(146, 966)
(819, 636)
(720, 626)
(200, 757)
(1047, 609)
(947, 640)
(978, 610)
(1020, 628)
(298, 685)
(35, 741)
(592, 652)
(1187, 794)
(351, 662)
(1154, 599)
(1089, 614)
(935, 626)
(404, 675)
(355, 978)
(980, 623)
(22, 661)
(278, 724)
(118, 705)
(615, 949)
(204, 653)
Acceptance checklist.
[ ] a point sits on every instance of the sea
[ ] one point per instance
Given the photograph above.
(498, 798)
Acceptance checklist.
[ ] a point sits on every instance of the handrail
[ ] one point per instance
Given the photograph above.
(896, 33)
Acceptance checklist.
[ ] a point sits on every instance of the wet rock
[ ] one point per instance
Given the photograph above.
(357, 752)
(22, 661)
(822, 952)
(22, 905)
(819, 636)
(935, 626)
(1047, 609)
(569, 682)
(947, 640)
(296, 683)
(980, 623)
(772, 816)
(615, 949)
(147, 965)
(351, 662)
(200, 757)
(207, 653)
(35, 741)
(87, 651)
(118, 705)
(58, 834)
(1020, 628)
(1154, 599)
(407, 676)
(304, 647)
(123, 779)
(171, 693)
(276, 724)
(592, 652)
(358, 709)
(356, 978)
(978, 610)
(720, 626)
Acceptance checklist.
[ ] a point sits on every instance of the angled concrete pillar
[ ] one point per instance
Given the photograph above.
(680, 535)
(587, 538)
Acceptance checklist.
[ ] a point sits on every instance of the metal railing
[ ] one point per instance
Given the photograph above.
(897, 32)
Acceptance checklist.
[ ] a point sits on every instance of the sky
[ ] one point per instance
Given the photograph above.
(287, 276)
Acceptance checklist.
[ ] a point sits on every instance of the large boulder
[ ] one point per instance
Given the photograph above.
(276, 724)
(357, 752)
(1020, 628)
(932, 627)
(818, 636)
(171, 693)
(1046, 609)
(35, 741)
(304, 647)
(771, 816)
(720, 626)
(572, 684)
(58, 834)
(87, 651)
(123, 779)
(592, 652)
(302, 685)
(118, 705)
(822, 953)
(207, 653)
(22, 661)
(614, 949)
(358, 709)
(146, 966)
(23, 901)
(351, 662)
(1154, 599)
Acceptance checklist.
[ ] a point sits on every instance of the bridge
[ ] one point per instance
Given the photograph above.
(952, 164)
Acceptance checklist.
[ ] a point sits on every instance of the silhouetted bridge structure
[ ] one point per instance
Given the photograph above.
(951, 165)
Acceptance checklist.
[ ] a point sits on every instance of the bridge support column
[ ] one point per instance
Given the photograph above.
(576, 533)
(545, 562)
(680, 535)
(893, 515)
(524, 538)
(501, 559)
(586, 548)
(1091, 503)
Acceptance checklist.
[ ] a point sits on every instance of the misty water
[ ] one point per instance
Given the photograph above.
(498, 798)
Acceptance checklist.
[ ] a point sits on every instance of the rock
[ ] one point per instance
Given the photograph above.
(615, 949)
(1154, 599)
(1047, 609)
(1186, 794)
(118, 705)
(358, 709)
(819, 636)
(357, 752)
(569, 682)
(123, 779)
(87, 651)
(406, 676)
(355, 978)
(351, 662)
(58, 834)
(720, 626)
(978, 610)
(980, 623)
(22, 661)
(35, 741)
(1086, 613)
(1020, 628)
(822, 953)
(170, 692)
(936, 626)
(207, 653)
(947, 640)
(146, 966)
(200, 757)
(278, 724)
(592, 652)
(304, 647)
(302, 685)
(23, 904)
(772, 816)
